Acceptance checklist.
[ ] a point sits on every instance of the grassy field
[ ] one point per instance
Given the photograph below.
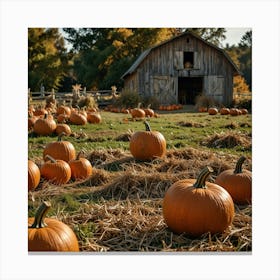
(120, 207)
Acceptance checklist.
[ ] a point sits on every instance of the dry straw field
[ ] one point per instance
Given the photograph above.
(119, 207)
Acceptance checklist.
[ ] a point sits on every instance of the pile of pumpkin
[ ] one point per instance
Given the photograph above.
(46, 121)
(170, 107)
(136, 113)
(223, 111)
(192, 206)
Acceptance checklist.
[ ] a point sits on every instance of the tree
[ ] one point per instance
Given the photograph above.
(47, 58)
(242, 57)
(104, 54)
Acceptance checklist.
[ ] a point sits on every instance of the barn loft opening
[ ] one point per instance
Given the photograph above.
(188, 59)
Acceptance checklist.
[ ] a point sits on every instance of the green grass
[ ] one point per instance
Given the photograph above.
(103, 135)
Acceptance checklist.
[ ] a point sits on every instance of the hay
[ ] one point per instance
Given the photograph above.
(191, 124)
(122, 210)
(138, 225)
(228, 140)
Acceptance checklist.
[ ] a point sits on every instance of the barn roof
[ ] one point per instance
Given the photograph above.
(144, 54)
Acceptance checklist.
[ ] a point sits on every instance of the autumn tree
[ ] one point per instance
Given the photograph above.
(47, 58)
(104, 54)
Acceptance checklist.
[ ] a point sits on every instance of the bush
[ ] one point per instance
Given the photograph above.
(147, 100)
(206, 101)
(127, 99)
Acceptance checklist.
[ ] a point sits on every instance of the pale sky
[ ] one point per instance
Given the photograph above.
(234, 35)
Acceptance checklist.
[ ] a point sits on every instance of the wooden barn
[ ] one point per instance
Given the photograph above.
(181, 68)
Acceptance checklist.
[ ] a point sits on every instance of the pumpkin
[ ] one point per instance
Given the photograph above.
(56, 171)
(146, 145)
(59, 149)
(31, 120)
(238, 182)
(234, 112)
(80, 168)
(48, 234)
(62, 127)
(44, 126)
(93, 117)
(63, 110)
(244, 111)
(138, 112)
(212, 111)
(224, 111)
(40, 112)
(149, 112)
(202, 109)
(34, 175)
(62, 118)
(197, 206)
(77, 118)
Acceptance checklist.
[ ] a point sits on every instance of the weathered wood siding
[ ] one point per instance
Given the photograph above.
(158, 73)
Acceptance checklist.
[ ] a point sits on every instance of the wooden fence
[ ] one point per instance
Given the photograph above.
(246, 95)
(102, 97)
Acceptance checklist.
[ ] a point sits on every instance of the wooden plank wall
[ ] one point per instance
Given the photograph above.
(167, 60)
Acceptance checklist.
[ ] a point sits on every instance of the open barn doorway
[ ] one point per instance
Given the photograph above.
(188, 89)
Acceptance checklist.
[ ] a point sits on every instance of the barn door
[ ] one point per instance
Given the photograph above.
(215, 87)
(164, 89)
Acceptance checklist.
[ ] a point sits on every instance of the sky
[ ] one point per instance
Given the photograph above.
(234, 35)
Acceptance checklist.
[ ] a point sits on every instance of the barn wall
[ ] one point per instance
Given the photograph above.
(158, 73)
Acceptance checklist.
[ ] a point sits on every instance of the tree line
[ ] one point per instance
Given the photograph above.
(97, 57)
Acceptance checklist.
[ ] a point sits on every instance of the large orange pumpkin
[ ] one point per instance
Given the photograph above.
(78, 118)
(149, 112)
(63, 127)
(34, 175)
(238, 182)
(57, 172)
(138, 112)
(47, 234)
(44, 126)
(94, 117)
(196, 206)
(146, 145)
(59, 149)
(81, 168)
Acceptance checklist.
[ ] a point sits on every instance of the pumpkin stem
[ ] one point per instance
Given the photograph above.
(82, 152)
(50, 158)
(238, 168)
(148, 128)
(40, 215)
(60, 136)
(139, 104)
(201, 179)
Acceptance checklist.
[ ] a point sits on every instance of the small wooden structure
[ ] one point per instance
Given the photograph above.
(180, 69)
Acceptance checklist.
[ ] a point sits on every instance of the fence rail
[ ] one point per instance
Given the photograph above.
(103, 97)
(245, 95)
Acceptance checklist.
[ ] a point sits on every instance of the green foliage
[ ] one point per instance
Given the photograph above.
(205, 101)
(128, 99)
(155, 103)
(242, 57)
(47, 58)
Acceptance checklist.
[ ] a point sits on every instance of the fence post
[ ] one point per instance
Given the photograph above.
(42, 91)
(29, 96)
